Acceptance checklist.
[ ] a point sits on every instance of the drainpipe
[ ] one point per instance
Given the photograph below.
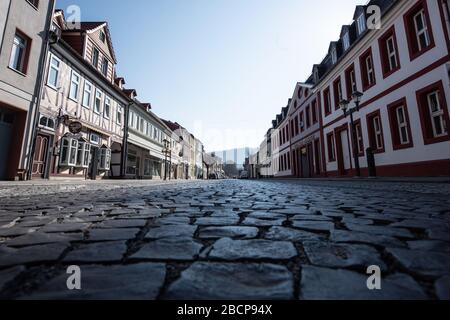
(124, 154)
(38, 88)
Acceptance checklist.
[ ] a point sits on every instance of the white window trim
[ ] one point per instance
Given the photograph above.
(98, 91)
(105, 154)
(69, 147)
(423, 31)
(87, 83)
(370, 71)
(119, 114)
(74, 73)
(58, 69)
(85, 154)
(359, 137)
(96, 143)
(392, 54)
(361, 22)
(378, 132)
(439, 113)
(15, 52)
(346, 41)
(107, 116)
(402, 125)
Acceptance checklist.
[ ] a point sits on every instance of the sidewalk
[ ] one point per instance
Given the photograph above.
(366, 179)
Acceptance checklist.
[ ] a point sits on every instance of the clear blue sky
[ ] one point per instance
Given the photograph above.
(221, 68)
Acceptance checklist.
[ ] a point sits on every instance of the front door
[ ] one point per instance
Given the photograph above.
(343, 152)
(40, 156)
(6, 125)
(93, 167)
(306, 168)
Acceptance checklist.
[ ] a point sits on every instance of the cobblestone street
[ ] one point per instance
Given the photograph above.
(225, 240)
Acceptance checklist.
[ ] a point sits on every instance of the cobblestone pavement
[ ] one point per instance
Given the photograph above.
(225, 240)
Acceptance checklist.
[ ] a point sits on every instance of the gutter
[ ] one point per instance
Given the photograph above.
(38, 88)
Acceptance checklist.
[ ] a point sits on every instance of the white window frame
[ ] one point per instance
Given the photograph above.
(346, 41)
(85, 150)
(361, 21)
(402, 125)
(423, 31)
(104, 161)
(95, 141)
(391, 54)
(333, 149)
(119, 114)
(97, 108)
(89, 92)
(359, 137)
(73, 75)
(370, 71)
(334, 55)
(46, 126)
(142, 125)
(376, 121)
(18, 53)
(354, 87)
(107, 102)
(439, 113)
(71, 150)
(56, 68)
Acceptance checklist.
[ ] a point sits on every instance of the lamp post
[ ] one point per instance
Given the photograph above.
(344, 104)
(166, 152)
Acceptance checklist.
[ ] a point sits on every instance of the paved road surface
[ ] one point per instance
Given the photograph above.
(225, 240)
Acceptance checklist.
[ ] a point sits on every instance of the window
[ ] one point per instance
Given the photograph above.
(119, 114)
(389, 52)
(327, 101)
(308, 116)
(314, 111)
(288, 159)
(418, 30)
(375, 130)
(105, 67)
(47, 123)
(331, 147)
(74, 86)
(83, 154)
(296, 125)
(20, 52)
(333, 55)
(68, 152)
(104, 162)
(95, 57)
(302, 122)
(399, 122)
(346, 41)
(433, 113)
(95, 139)
(149, 129)
(142, 125)
(350, 81)
(87, 94)
(34, 3)
(337, 87)
(107, 107)
(102, 36)
(361, 22)
(367, 70)
(98, 101)
(53, 71)
(359, 138)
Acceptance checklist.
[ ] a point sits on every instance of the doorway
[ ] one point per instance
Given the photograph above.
(6, 127)
(40, 156)
(343, 151)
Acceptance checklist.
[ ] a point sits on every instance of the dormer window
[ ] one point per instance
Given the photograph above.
(334, 55)
(95, 57)
(102, 37)
(361, 22)
(105, 67)
(346, 40)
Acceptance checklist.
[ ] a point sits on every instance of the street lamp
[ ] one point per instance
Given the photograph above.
(167, 152)
(344, 104)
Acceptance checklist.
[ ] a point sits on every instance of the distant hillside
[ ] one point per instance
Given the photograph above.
(236, 155)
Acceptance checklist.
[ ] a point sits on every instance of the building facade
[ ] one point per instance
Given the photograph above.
(393, 78)
(81, 121)
(149, 144)
(23, 45)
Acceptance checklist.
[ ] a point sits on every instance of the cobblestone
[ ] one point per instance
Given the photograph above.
(225, 239)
